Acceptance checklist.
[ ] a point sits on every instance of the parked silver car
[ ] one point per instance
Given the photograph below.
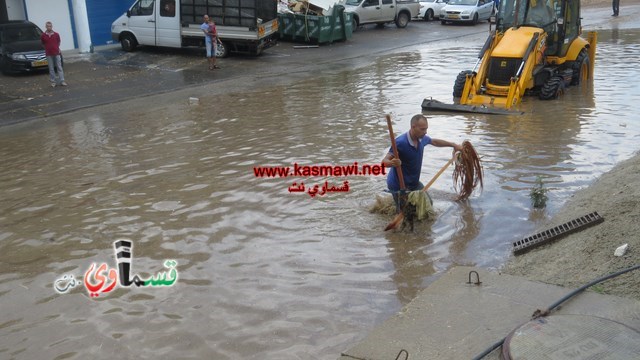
(471, 11)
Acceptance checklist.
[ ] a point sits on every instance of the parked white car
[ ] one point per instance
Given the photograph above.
(382, 11)
(471, 11)
(430, 9)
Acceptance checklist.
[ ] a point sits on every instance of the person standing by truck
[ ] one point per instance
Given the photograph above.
(210, 40)
(51, 42)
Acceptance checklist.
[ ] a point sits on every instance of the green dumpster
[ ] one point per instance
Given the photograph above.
(342, 28)
(308, 29)
(347, 23)
(317, 29)
(286, 28)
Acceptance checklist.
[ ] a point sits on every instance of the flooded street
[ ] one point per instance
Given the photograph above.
(265, 273)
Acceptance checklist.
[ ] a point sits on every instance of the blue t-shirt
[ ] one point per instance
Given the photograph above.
(205, 27)
(411, 163)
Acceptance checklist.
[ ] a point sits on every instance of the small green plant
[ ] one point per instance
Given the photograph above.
(539, 194)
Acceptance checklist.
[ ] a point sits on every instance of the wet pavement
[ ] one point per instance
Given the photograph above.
(467, 310)
(263, 272)
(110, 75)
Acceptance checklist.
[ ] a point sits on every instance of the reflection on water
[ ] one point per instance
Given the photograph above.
(265, 273)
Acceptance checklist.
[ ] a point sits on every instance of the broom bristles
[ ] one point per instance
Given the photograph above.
(395, 222)
(468, 172)
(384, 205)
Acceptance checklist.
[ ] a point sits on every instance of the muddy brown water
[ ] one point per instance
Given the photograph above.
(264, 272)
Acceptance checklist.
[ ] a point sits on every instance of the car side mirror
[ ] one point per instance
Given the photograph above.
(128, 13)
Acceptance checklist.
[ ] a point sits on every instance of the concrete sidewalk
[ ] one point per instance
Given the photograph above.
(452, 319)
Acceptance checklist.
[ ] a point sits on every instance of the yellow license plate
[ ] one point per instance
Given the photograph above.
(39, 63)
(454, 16)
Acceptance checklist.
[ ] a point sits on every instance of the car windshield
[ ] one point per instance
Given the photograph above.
(15, 34)
(463, 2)
(353, 2)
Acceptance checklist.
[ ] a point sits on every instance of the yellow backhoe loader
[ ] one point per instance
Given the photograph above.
(536, 48)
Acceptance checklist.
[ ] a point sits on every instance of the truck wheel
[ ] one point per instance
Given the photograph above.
(461, 79)
(428, 16)
(128, 42)
(222, 52)
(552, 88)
(402, 20)
(580, 68)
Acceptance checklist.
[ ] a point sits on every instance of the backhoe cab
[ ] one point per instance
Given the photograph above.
(536, 48)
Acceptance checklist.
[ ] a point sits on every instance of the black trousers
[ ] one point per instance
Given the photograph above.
(616, 6)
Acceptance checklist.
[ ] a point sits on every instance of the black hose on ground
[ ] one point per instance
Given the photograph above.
(539, 313)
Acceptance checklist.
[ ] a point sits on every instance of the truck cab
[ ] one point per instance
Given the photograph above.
(144, 24)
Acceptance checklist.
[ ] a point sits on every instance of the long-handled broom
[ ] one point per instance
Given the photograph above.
(467, 175)
(400, 216)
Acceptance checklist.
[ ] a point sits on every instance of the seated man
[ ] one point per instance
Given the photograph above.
(539, 14)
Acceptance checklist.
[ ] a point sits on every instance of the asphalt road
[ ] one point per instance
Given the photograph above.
(110, 75)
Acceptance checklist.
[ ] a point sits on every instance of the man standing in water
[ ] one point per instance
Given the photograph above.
(410, 150)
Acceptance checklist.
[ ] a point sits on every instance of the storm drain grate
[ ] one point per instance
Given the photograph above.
(557, 232)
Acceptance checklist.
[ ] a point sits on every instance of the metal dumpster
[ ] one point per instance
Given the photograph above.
(316, 29)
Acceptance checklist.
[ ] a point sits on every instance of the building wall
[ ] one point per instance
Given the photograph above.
(101, 15)
(56, 11)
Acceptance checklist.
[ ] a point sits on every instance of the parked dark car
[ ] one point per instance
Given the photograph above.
(20, 47)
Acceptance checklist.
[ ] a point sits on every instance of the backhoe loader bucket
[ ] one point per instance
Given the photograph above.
(435, 105)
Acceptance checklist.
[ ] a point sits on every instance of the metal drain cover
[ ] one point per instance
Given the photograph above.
(573, 337)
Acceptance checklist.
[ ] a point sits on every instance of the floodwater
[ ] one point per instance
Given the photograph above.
(265, 273)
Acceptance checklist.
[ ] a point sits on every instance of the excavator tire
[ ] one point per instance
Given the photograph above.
(552, 88)
(580, 68)
(458, 86)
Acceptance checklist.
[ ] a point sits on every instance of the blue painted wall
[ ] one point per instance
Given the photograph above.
(101, 14)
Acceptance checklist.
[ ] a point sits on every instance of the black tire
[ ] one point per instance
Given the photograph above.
(552, 88)
(428, 15)
(580, 68)
(354, 24)
(475, 18)
(461, 79)
(443, 22)
(402, 20)
(128, 42)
